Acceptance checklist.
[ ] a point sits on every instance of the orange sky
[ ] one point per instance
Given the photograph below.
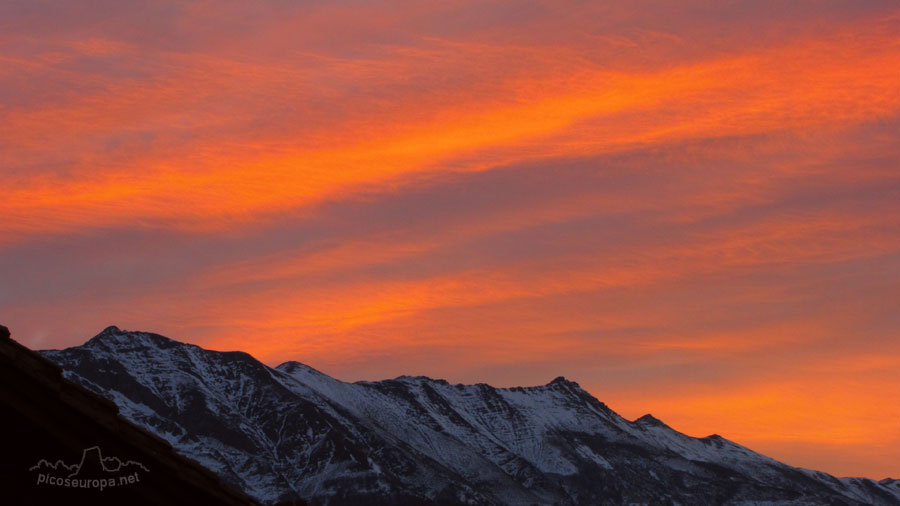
(693, 210)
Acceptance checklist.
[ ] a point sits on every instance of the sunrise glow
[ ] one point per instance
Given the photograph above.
(690, 208)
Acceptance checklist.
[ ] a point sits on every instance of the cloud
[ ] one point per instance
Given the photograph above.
(200, 160)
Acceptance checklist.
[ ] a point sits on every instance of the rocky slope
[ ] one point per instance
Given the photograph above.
(293, 432)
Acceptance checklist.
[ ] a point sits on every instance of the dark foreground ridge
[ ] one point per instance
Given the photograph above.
(62, 440)
(291, 432)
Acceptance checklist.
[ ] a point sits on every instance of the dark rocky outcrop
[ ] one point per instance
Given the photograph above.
(56, 430)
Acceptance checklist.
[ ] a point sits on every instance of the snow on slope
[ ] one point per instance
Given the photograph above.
(293, 432)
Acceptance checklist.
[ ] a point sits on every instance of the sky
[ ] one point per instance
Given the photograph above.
(690, 208)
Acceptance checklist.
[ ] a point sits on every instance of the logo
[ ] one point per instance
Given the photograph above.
(94, 471)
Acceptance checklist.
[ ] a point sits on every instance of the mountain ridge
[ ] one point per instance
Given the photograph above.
(294, 432)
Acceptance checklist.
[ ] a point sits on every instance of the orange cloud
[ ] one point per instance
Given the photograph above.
(809, 84)
(337, 308)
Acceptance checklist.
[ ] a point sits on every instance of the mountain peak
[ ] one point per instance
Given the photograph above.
(115, 338)
(106, 335)
(292, 367)
(650, 420)
(561, 380)
(425, 379)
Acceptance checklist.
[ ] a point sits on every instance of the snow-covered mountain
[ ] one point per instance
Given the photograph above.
(293, 432)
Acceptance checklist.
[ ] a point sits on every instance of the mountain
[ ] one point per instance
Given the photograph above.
(64, 444)
(293, 432)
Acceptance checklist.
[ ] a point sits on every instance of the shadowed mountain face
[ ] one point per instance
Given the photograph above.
(293, 432)
(64, 444)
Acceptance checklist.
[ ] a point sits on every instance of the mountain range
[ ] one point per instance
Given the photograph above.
(290, 432)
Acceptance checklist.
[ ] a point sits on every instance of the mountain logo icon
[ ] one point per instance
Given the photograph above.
(93, 470)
